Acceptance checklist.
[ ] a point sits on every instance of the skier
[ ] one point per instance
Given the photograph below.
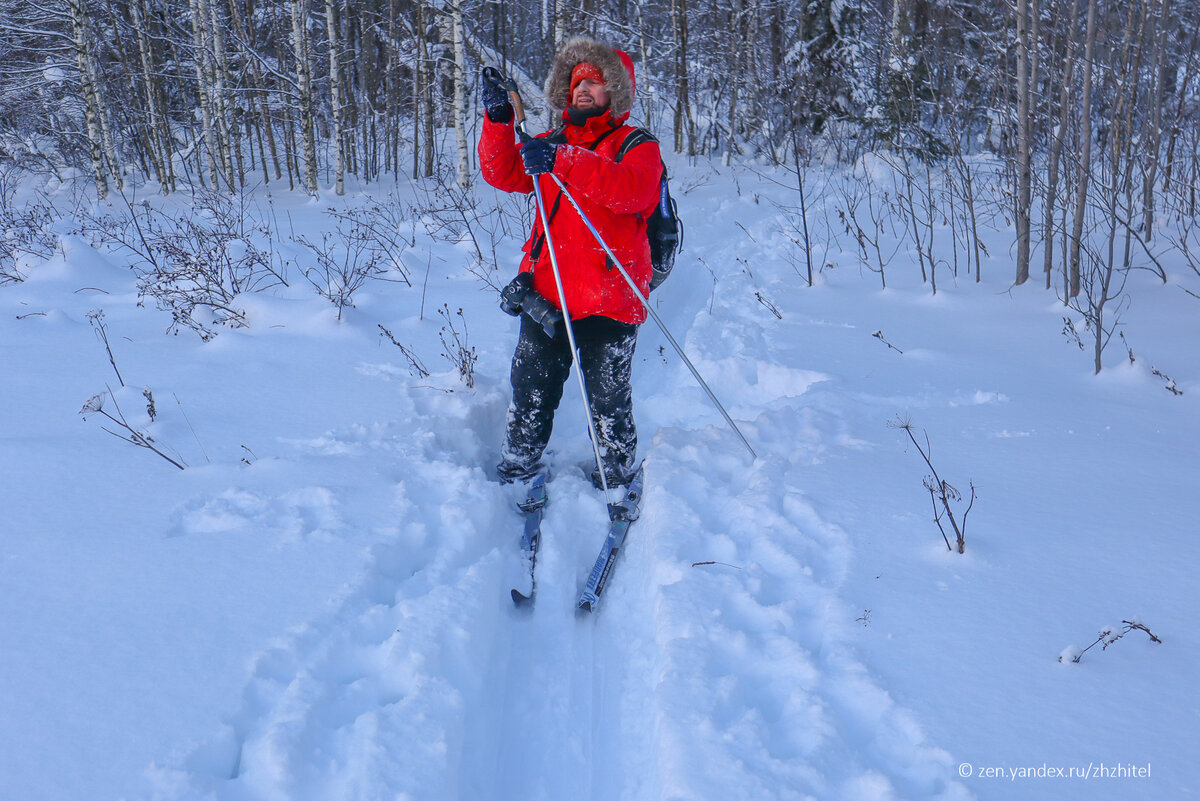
(592, 84)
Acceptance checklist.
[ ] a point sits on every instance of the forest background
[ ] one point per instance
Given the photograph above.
(1087, 108)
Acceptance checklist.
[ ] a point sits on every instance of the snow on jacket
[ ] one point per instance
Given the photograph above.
(616, 196)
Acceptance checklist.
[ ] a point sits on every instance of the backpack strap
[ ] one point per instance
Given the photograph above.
(634, 138)
(637, 137)
(670, 226)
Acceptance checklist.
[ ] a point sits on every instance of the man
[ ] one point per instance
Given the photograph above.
(593, 86)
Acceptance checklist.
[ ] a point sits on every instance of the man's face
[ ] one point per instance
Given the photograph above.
(589, 95)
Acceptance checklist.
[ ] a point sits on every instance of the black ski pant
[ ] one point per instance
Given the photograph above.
(541, 366)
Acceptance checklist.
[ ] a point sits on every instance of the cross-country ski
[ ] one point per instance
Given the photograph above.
(533, 509)
(622, 514)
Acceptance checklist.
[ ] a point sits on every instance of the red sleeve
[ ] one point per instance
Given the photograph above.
(500, 158)
(628, 186)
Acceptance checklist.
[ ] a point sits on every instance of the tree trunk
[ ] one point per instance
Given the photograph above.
(1037, 103)
(1056, 143)
(898, 33)
(1085, 154)
(1131, 71)
(460, 94)
(287, 128)
(160, 145)
(392, 84)
(560, 23)
(1183, 97)
(648, 108)
(423, 88)
(684, 126)
(257, 87)
(418, 85)
(335, 96)
(1024, 146)
(300, 46)
(1154, 135)
(231, 145)
(203, 90)
(900, 40)
(87, 88)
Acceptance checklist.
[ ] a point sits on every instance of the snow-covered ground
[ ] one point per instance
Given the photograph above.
(317, 607)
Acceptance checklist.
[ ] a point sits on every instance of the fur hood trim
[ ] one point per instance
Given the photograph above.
(617, 71)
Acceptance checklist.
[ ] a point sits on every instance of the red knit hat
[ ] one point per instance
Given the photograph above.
(628, 62)
(584, 71)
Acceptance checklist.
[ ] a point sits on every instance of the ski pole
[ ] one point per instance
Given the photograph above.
(646, 305)
(519, 113)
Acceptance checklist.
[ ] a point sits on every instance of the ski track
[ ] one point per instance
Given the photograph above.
(735, 679)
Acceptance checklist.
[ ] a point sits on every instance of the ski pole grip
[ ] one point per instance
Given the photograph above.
(517, 107)
(515, 98)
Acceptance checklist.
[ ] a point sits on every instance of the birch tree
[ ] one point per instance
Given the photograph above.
(1158, 92)
(215, 39)
(158, 128)
(335, 96)
(460, 93)
(392, 89)
(87, 88)
(301, 49)
(1024, 154)
(200, 50)
(1057, 140)
(685, 127)
(266, 124)
(560, 24)
(1085, 154)
(423, 96)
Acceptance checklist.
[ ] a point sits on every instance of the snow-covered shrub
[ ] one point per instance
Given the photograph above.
(479, 220)
(1169, 384)
(195, 262)
(1101, 302)
(415, 366)
(366, 244)
(458, 350)
(385, 227)
(942, 493)
(1108, 636)
(25, 231)
(134, 430)
(865, 211)
(343, 263)
(96, 320)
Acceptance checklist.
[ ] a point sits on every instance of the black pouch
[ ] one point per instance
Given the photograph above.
(513, 294)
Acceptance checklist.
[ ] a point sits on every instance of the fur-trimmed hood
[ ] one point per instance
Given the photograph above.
(615, 65)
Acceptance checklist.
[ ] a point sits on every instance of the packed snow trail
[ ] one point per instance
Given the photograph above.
(722, 680)
(719, 666)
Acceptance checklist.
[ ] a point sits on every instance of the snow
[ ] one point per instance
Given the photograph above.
(317, 606)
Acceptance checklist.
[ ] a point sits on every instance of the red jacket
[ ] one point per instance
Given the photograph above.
(616, 196)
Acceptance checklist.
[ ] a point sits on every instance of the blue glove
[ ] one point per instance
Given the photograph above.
(538, 156)
(494, 97)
